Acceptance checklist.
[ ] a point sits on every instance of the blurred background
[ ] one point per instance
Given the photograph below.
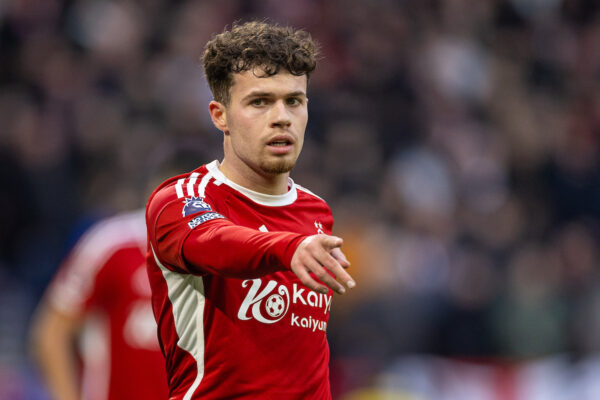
(457, 142)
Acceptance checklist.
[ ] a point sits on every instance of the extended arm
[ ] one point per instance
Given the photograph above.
(202, 241)
(229, 250)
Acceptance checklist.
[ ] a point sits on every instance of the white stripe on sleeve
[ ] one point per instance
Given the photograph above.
(179, 187)
(191, 183)
(203, 183)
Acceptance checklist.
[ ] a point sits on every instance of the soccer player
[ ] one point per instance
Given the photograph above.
(100, 297)
(241, 259)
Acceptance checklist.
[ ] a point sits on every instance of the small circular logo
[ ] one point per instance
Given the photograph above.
(275, 305)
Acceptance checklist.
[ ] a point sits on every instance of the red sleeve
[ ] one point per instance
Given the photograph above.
(207, 242)
(234, 251)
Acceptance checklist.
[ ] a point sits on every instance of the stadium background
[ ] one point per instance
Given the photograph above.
(457, 142)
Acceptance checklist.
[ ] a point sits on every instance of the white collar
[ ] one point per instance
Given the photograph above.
(271, 200)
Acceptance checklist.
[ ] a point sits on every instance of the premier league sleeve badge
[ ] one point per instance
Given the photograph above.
(194, 205)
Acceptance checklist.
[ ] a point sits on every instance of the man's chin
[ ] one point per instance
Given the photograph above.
(277, 167)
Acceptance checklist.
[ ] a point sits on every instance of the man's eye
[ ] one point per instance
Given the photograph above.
(258, 102)
(293, 101)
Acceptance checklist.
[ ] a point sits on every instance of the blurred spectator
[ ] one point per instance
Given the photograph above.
(98, 311)
(94, 335)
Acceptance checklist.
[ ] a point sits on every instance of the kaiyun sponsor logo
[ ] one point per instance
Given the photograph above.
(270, 303)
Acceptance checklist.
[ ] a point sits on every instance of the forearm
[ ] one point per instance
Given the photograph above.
(52, 346)
(239, 252)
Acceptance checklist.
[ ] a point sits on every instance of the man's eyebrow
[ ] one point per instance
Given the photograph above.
(298, 93)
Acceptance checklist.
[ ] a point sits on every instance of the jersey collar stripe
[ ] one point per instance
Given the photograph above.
(186, 294)
(179, 187)
(190, 185)
(260, 198)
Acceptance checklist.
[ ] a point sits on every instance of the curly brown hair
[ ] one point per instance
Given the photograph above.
(256, 44)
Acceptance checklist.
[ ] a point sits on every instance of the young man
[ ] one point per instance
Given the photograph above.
(100, 298)
(241, 261)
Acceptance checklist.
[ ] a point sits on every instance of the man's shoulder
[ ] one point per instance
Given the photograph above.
(178, 187)
(306, 195)
(306, 192)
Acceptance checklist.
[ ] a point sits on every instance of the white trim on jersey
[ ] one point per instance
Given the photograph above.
(186, 293)
(179, 187)
(190, 185)
(191, 181)
(263, 199)
(204, 183)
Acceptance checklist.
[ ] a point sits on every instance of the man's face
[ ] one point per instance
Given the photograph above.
(266, 118)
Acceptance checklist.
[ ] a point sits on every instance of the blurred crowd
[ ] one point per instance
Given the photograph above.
(457, 142)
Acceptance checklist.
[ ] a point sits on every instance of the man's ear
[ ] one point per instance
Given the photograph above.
(218, 114)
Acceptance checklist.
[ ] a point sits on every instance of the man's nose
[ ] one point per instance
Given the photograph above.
(281, 115)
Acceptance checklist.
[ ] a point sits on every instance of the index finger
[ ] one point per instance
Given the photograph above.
(329, 262)
(340, 257)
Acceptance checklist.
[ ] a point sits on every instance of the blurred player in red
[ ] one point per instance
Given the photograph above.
(100, 298)
(241, 259)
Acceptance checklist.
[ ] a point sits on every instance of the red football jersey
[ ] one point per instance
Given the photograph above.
(234, 321)
(104, 279)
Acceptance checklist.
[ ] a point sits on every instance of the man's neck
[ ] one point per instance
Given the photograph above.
(275, 184)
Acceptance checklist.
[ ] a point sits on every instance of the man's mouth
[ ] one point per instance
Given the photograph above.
(279, 143)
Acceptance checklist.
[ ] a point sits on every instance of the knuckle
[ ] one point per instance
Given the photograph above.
(307, 281)
(331, 265)
(321, 274)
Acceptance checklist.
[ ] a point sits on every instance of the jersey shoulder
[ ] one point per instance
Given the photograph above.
(309, 193)
(188, 185)
(305, 194)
